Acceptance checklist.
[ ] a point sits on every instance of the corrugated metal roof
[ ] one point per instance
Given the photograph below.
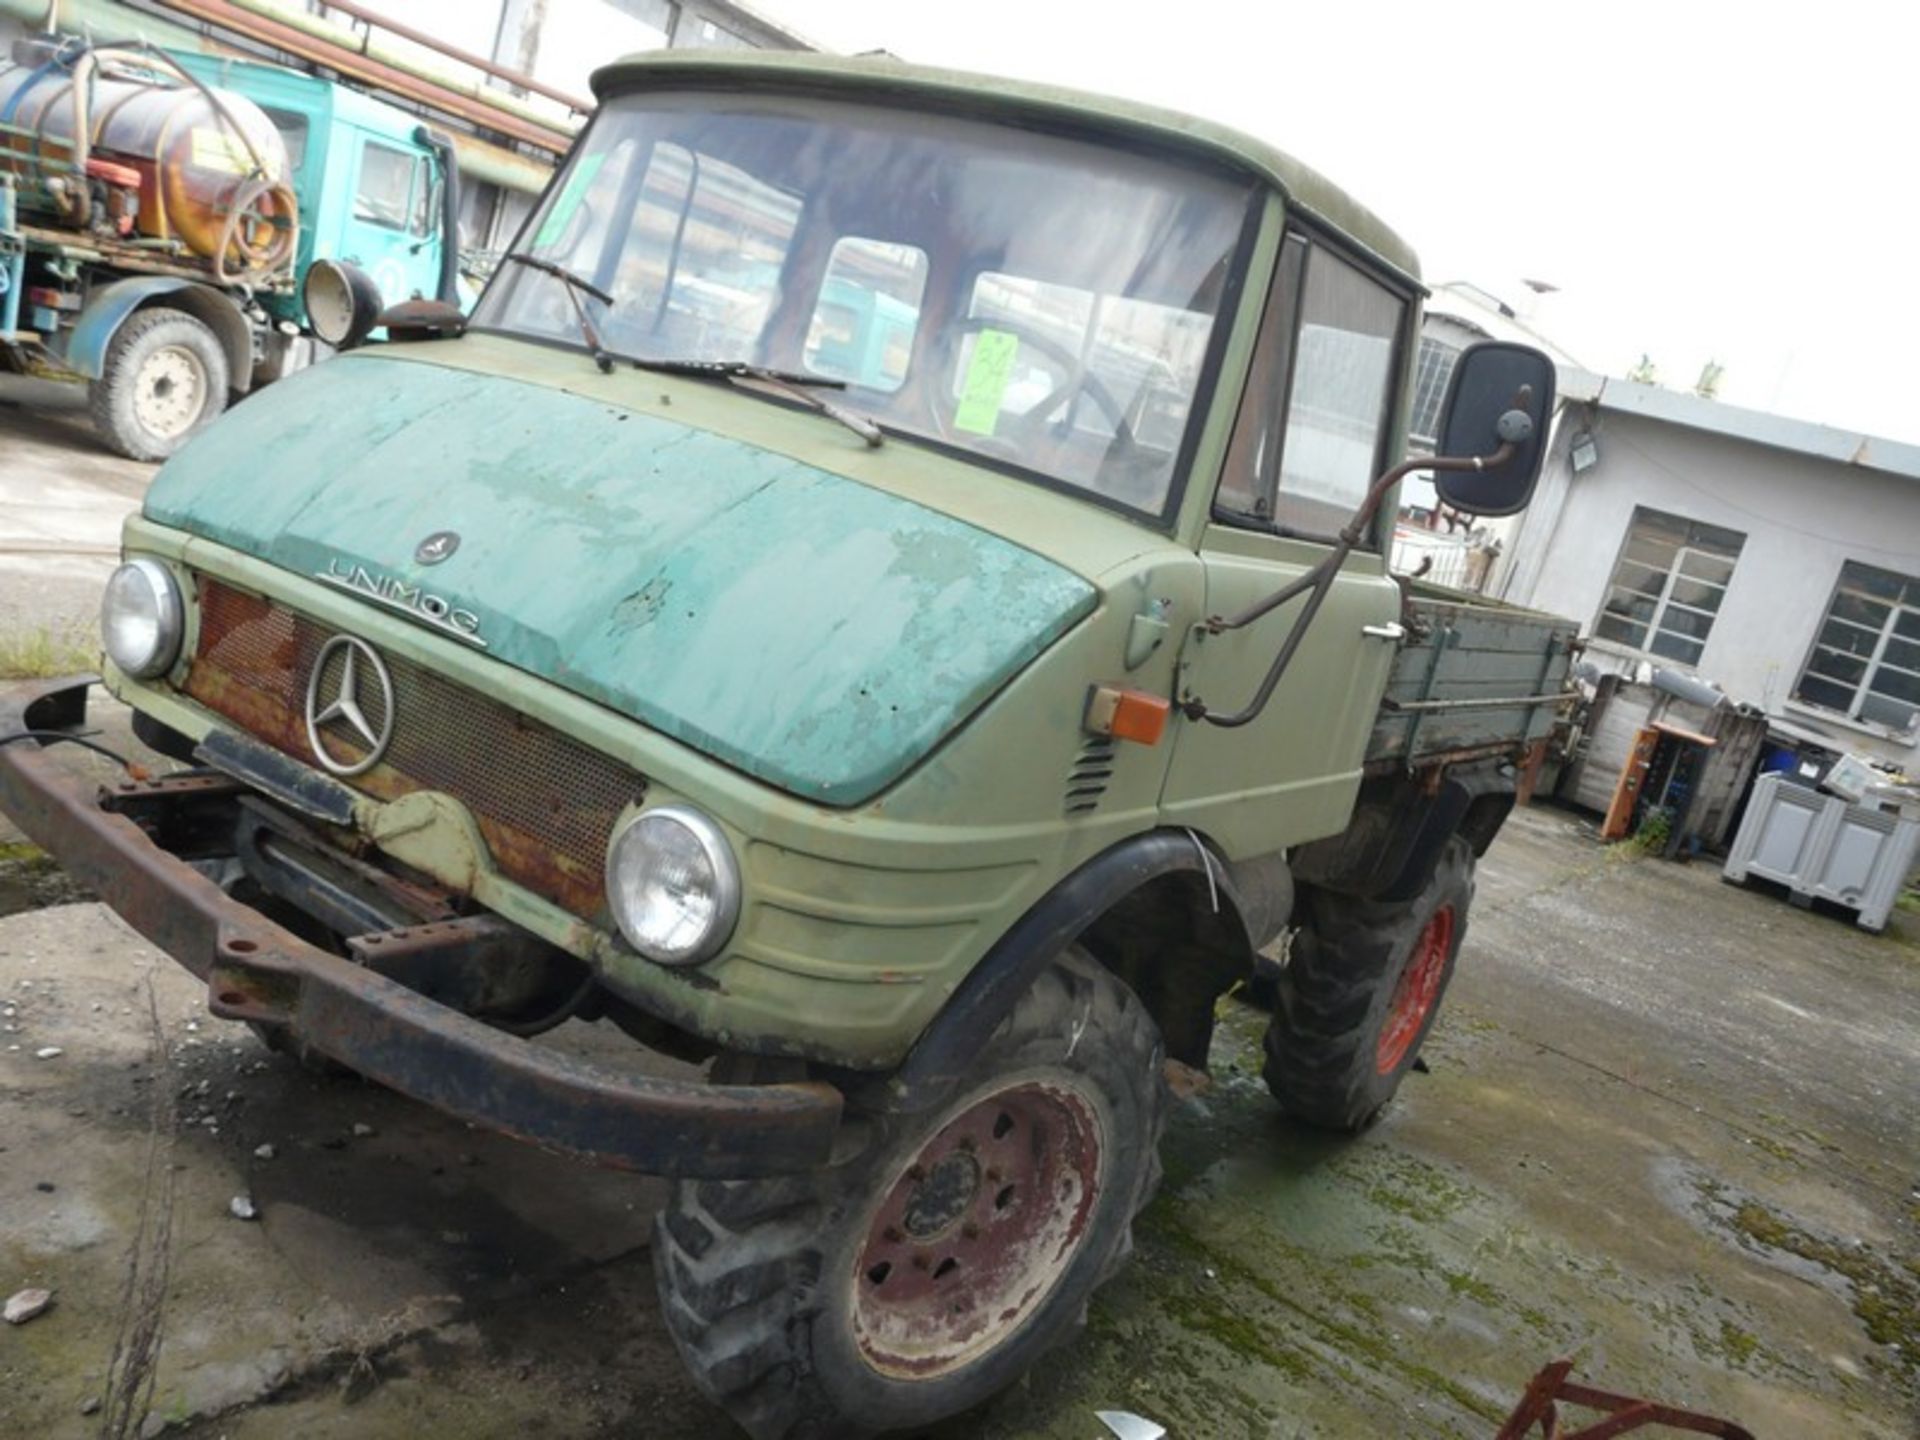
(1778, 432)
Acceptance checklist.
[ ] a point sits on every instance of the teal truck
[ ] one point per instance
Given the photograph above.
(920, 736)
(220, 223)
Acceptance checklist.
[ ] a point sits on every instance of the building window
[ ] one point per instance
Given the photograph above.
(1667, 585)
(1866, 660)
(1431, 372)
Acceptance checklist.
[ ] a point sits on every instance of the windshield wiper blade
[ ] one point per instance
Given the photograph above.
(787, 382)
(577, 285)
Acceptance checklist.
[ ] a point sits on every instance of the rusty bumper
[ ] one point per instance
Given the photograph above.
(256, 970)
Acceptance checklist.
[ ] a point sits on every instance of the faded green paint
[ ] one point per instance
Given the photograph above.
(795, 625)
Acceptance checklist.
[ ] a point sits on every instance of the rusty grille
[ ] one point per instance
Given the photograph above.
(545, 803)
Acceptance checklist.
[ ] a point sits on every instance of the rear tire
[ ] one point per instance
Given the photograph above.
(927, 1272)
(164, 377)
(1360, 993)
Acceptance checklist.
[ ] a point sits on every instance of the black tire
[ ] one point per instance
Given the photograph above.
(164, 377)
(768, 1286)
(1343, 1035)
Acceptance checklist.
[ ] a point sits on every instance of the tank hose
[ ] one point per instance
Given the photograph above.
(260, 208)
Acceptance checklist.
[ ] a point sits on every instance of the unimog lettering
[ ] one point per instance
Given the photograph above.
(388, 590)
(987, 722)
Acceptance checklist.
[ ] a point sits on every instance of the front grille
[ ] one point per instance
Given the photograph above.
(545, 803)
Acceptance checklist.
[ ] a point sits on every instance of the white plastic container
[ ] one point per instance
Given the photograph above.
(1819, 846)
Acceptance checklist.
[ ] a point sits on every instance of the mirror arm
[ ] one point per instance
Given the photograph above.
(1319, 580)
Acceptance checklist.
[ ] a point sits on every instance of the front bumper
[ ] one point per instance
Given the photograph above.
(259, 971)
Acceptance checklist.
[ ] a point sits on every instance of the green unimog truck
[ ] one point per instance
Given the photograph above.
(921, 731)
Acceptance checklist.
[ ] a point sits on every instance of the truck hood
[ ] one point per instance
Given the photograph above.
(796, 625)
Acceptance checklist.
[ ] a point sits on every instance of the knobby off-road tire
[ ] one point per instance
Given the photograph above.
(164, 377)
(874, 1295)
(1360, 993)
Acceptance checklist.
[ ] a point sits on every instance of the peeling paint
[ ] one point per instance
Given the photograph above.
(804, 628)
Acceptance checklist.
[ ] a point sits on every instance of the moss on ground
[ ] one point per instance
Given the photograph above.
(1886, 1299)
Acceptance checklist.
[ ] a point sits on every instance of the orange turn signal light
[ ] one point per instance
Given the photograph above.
(1127, 714)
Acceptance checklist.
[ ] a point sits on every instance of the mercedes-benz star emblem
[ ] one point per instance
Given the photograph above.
(436, 547)
(339, 699)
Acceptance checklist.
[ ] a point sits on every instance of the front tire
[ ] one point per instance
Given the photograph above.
(1360, 992)
(164, 377)
(927, 1272)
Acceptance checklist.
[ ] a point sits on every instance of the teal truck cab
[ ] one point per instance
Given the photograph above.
(206, 234)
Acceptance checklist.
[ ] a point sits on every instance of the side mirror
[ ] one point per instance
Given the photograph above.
(1500, 393)
(342, 302)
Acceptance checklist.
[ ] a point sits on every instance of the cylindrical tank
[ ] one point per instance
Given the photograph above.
(196, 158)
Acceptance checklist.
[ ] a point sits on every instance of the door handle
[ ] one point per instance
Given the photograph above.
(1392, 630)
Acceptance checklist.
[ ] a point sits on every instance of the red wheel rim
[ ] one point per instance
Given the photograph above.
(1417, 992)
(977, 1230)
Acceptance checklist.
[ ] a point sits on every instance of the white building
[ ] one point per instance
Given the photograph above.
(1776, 558)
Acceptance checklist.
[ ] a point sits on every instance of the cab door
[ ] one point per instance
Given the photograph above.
(1316, 426)
(390, 228)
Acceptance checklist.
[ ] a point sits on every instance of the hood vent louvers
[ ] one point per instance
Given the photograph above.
(1087, 779)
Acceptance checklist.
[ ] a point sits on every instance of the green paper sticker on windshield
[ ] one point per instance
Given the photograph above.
(985, 384)
(555, 225)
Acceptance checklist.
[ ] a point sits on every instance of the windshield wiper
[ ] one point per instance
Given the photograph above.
(787, 382)
(577, 285)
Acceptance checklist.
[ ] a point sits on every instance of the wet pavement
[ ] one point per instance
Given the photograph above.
(1668, 1131)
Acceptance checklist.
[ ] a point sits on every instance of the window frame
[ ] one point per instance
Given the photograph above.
(1258, 190)
(1427, 442)
(1669, 579)
(371, 142)
(1873, 662)
(1283, 306)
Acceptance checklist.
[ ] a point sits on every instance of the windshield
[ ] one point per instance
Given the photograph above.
(1040, 301)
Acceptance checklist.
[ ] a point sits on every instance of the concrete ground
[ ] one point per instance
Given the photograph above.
(62, 498)
(1669, 1130)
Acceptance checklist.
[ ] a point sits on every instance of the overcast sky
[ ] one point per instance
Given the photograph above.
(1738, 182)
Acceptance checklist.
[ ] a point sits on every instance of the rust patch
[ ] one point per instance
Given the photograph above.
(544, 803)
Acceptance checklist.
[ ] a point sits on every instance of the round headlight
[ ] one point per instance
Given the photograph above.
(673, 886)
(142, 618)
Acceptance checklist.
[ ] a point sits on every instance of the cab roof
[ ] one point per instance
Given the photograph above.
(1304, 188)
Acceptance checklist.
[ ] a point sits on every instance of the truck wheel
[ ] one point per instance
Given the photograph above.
(925, 1273)
(1360, 993)
(165, 376)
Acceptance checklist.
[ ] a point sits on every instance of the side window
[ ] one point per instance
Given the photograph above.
(1252, 472)
(293, 133)
(1341, 398)
(1667, 584)
(385, 189)
(1309, 437)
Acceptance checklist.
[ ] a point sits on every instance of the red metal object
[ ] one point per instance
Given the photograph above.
(258, 971)
(1417, 992)
(1623, 1412)
(372, 72)
(453, 52)
(975, 1232)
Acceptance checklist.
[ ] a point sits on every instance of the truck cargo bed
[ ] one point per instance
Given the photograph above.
(1472, 676)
